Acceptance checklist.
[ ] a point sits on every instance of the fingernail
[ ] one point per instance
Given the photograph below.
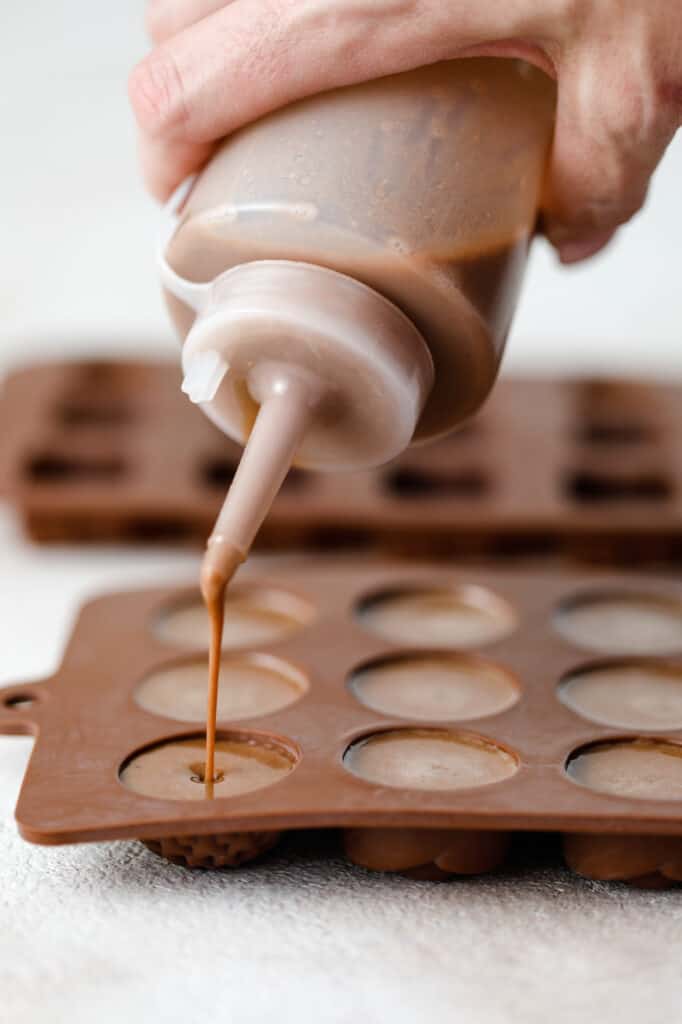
(573, 252)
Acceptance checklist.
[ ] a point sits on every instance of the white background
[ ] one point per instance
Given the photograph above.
(109, 933)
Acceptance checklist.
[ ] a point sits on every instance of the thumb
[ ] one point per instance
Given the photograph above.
(611, 132)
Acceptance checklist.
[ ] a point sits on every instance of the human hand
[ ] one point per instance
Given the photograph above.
(219, 64)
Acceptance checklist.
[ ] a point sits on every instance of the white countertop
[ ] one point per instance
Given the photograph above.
(108, 932)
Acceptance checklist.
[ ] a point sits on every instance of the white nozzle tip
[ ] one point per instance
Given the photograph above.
(203, 376)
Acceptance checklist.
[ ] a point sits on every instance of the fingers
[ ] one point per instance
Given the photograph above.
(233, 66)
(167, 162)
(252, 56)
(611, 132)
(223, 63)
(165, 18)
(583, 249)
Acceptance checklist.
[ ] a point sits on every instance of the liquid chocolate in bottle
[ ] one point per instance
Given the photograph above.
(344, 271)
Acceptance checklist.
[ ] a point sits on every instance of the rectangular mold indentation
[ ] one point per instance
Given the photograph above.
(110, 380)
(57, 468)
(412, 482)
(616, 432)
(592, 487)
(78, 413)
(158, 530)
(615, 414)
(615, 395)
(332, 538)
(485, 489)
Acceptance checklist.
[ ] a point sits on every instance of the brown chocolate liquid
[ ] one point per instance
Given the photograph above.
(214, 596)
(429, 759)
(644, 769)
(434, 686)
(173, 770)
(215, 605)
(438, 618)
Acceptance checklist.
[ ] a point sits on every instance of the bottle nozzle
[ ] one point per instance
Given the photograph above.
(299, 336)
(287, 400)
(220, 563)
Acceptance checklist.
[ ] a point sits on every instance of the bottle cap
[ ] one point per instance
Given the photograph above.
(367, 366)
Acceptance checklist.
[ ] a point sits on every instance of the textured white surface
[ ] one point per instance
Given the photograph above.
(110, 933)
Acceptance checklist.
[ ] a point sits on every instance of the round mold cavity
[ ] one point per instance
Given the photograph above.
(19, 701)
(452, 617)
(626, 694)
(616, 622)
(173, 769)
(253, 616)
(251, 685)
(642, 768)
(429, 759)
(434, 686)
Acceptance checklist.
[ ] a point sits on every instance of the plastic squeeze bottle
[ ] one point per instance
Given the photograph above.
(344, 272)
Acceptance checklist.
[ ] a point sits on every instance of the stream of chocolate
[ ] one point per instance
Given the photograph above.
(219, 566)
(215, 605)
(221, 561)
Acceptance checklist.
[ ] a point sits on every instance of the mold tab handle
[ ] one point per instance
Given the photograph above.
(20, 708)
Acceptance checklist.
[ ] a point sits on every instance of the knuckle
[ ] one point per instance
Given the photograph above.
(571, 13)
(634, 132)
(635, 114)
(635, 102)
(621, 133)
(610, 210)
(617, 187)
(156, 94)
(617, 192)
(669, 93)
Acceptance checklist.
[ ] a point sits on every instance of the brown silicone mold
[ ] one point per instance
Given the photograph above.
(114, 451)
(428, 789)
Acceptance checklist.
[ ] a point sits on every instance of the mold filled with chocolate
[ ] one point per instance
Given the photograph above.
(175, 770)
(257, 684)
(639, 769)
(429, 759)
(622, 623)
(434, 686)
(626, 694)
(457, 617)
(426, 756)
(252, 617)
